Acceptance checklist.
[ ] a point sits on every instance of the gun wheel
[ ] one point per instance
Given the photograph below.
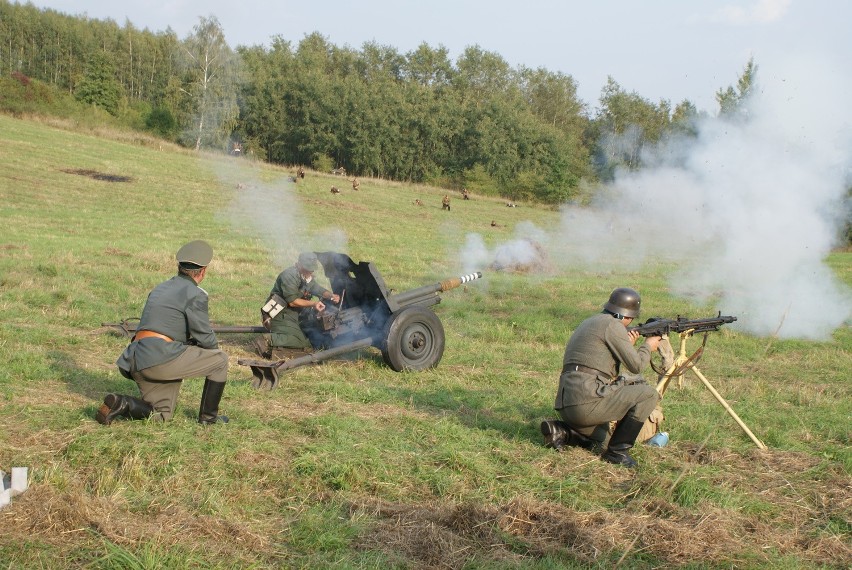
(414, 340)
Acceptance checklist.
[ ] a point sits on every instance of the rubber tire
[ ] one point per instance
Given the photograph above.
(414, 340)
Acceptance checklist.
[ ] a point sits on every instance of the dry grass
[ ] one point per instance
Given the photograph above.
(449, 536)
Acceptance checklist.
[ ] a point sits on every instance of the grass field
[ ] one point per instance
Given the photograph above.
(349, 464)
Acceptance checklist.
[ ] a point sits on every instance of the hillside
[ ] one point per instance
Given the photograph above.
(349, 464)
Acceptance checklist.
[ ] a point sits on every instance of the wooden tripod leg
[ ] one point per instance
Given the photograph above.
(728, 408)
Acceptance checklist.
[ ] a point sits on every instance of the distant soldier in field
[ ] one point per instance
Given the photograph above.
(418, 202)
(465, 194)
(335, 190)
(355, 184)
(601, 383)
(173, 341)
(300, 173)
(445, 203)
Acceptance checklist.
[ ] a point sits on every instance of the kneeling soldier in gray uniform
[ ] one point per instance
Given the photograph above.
(592, 393)
(173, 341)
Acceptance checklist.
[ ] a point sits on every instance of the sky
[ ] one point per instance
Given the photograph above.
(659, 49)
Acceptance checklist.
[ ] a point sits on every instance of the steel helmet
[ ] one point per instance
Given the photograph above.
(623, 302)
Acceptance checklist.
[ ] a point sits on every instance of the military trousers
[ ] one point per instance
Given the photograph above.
(285, 331)
(592, 418)
(160, 384)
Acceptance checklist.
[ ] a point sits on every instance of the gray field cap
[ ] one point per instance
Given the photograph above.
(197, 252)
(308, 261)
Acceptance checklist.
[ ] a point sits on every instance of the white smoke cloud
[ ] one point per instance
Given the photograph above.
(272, 211)
(527, 250)
(747, 212)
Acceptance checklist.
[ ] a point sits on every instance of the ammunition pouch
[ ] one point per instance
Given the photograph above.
(273, 306)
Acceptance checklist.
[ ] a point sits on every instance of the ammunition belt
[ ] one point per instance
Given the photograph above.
(151, 334)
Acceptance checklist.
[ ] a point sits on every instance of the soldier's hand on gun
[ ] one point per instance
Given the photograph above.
(319, 306)
(633, 335)
(652, 342)
(335, 298)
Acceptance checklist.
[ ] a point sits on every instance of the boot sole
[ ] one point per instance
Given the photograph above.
(550, 437)
(628, 462)
(103, 415)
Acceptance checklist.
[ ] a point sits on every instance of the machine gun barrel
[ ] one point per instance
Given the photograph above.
(429, 293)
(658, 326)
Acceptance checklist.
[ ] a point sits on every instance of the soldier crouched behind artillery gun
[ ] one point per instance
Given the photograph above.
(365, 313)
(290, 306)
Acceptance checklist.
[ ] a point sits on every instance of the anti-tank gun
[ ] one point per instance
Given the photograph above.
(402, 325)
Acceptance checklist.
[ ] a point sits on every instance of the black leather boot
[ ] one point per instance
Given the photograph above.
(622, 441)
(117, 405)
(557, 434)
(210, 397)
(262, 346)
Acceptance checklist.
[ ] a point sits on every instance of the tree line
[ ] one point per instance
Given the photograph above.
(475, 122)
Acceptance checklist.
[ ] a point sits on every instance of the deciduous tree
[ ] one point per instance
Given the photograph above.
(209, 83)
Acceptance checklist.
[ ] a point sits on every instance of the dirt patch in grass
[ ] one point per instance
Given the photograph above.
(98, 175)
(334, 204)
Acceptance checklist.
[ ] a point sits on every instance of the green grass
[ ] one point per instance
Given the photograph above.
(349, 464)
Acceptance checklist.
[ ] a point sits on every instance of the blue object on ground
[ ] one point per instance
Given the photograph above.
(659, 440)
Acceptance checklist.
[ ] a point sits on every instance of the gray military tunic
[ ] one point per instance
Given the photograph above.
(284, 328)
(595, 394)
(176, 308)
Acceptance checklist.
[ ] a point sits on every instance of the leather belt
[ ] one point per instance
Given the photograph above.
(586, 369)
(151, 334)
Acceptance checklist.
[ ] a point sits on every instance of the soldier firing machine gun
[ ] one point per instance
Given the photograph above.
(686, 328)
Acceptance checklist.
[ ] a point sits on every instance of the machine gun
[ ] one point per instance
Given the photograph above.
(686, 328)
(657, 326)
(401, 325)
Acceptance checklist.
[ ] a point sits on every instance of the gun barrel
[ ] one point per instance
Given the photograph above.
(407, 297)
(128, 328)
